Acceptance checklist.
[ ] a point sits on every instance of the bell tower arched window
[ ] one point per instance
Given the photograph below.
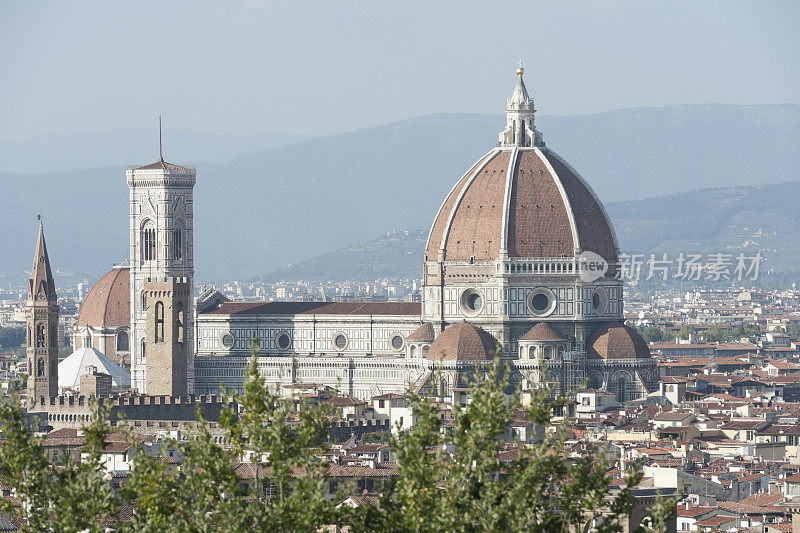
(40, 368)
(178, 246)
(622, 390)
(40, 335)
(159, 322)
(149, 242)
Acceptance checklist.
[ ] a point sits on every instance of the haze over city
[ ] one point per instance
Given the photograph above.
(400, 266)
(254, 66)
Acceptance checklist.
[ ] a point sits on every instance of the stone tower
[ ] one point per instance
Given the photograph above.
(166, 348)
(41, 315)
(161, 247)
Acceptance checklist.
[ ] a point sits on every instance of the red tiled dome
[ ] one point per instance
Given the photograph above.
(533, 206)
(462, 342)
(108, 304)
(424, 333)
(542, 332)
(614, 340)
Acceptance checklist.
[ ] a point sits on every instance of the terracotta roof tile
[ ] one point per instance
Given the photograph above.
(462, 342)
(162, 165)
(108, 303)
(614, 340)
(424, 333)
(316, 308)
(542, 332)
(594, 229)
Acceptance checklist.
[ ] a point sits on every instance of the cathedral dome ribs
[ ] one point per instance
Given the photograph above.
(108, 303)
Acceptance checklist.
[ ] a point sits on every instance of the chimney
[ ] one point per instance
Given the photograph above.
(688, 505)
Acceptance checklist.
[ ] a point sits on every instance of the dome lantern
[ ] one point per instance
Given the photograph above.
(520, 130)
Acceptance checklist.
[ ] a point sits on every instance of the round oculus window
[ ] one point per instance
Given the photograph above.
(600, 301)
(541, 301)
(283, 341)
(397, 342)
(340, 341)
(471, 301)
(227, 340)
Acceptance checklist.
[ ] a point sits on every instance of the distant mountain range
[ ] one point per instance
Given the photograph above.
(261, 211)
(724, 220)
(85, 149)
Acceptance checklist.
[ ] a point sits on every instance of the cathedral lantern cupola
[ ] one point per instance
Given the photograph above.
(41, 316)
(520, 130)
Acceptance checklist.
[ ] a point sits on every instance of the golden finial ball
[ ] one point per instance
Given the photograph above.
(520, 70)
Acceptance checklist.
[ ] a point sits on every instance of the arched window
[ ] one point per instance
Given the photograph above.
(622, 390)
(548, 352)
(122, 341)
(40, 368)
(177, 242)
(148, 242)
(159, 322)
(40, 335)
(181, 323)
(144, 343)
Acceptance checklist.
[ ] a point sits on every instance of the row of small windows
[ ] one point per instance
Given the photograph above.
(538, 268)
(547, 352)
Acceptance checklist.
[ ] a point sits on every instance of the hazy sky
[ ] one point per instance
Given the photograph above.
(323, 67)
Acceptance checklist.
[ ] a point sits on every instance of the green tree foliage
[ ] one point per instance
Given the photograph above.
(200, 497)
(11, 337)
(686, 330)
(451, 477)
(719, 334)
(458, 480)
(71, 497)
(283, 434)
(655, 333)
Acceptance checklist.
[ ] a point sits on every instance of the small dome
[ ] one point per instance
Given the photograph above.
(424, 333)
(462, 342)
(614, 340)
(543, 332)
(108, 304)
(73, 367)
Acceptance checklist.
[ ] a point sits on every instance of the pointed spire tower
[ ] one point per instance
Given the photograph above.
(41, 315)
(41, 282)
(520, 111)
